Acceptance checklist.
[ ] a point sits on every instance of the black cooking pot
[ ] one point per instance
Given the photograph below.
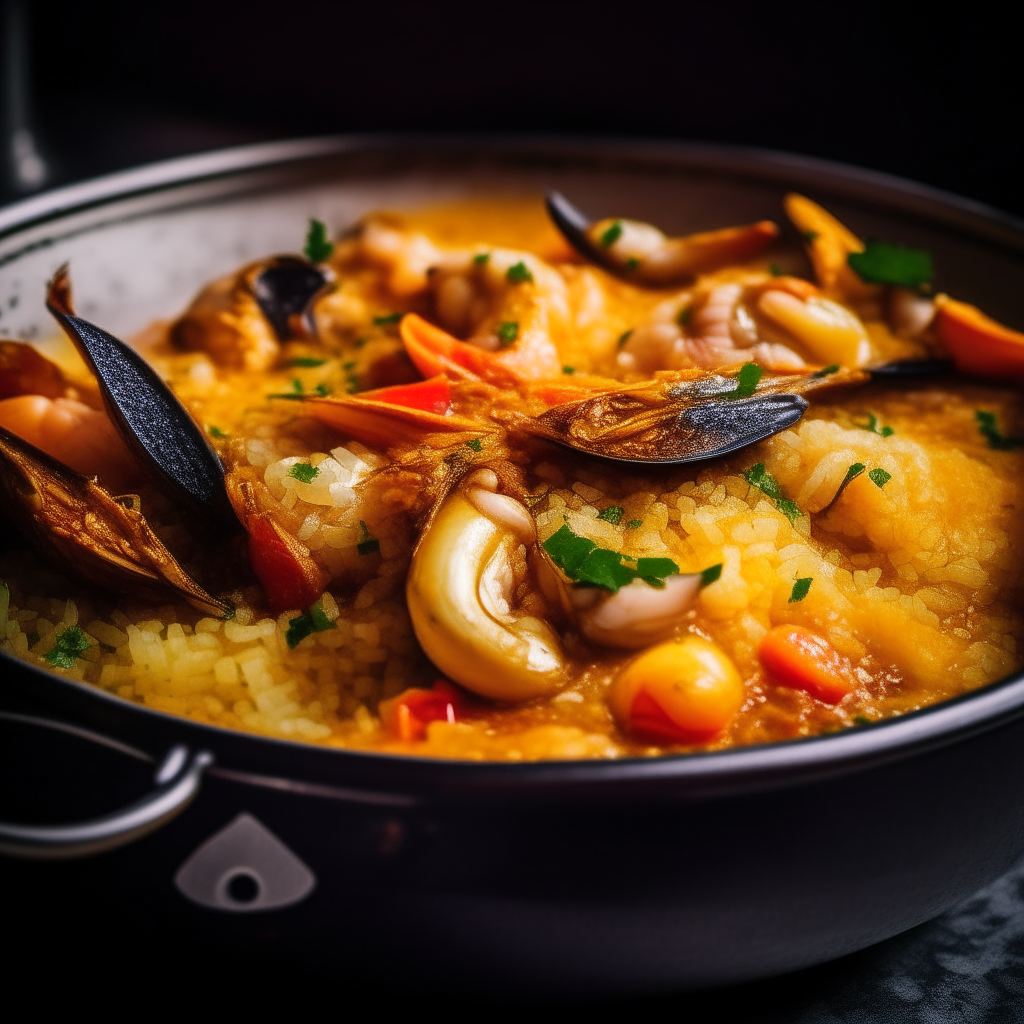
(601, 875)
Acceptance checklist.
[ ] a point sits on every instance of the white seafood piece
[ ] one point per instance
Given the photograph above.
(460, 592)
(638, 615)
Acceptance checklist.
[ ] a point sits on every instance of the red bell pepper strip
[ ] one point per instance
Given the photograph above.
(434, 395)
(407, 715)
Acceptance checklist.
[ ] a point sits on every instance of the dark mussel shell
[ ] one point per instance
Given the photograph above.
(155, 426)
(284, 289)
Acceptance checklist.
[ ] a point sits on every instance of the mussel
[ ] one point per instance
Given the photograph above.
(79, 526)
(642, 254)
(240, 320)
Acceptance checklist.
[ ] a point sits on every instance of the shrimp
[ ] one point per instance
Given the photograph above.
(76, 435)
(503, 301)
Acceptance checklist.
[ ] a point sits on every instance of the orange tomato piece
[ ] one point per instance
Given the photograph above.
(678, 692)
(796, 657)
(977, 343)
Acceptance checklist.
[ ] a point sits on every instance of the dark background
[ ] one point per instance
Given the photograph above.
(919, 95)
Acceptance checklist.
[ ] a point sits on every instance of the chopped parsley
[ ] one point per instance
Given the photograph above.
(775, 270)
(808, 236)
(825, 371)
(304, 472)
(632, 263)
(588, 565)
(684, 315)
(800, 588)
(710, 574)
(611, 234)
(569, 369)
(217, 432)
(69, 645)
(612, 514)
(388, 320)
(313, 621)
(507, 332)
(481, 258)
(307, 361)
(758, 476)
(323, 390)
(746, 381)
(886, 263)
(475, 443)
(879, 477)
(624, 337)
(989, 429)
(872, 426)
(634, 524)
(350, 365)
(367, 545)
(861, 720)
(318, 246)
(297, 386)
(519, 273)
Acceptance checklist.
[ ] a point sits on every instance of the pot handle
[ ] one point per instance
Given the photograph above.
(177, 782)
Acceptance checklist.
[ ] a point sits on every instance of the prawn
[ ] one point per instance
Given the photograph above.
(80, 437)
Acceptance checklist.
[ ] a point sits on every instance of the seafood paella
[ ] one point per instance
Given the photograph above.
(494, 480)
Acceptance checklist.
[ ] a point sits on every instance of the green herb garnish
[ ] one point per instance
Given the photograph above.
(588, 565)
(69, 645)
(568, 369)
(304, 472)
(217, 432)
(710, 574)
(988, 427)
(800, 588)
(808, 236)
(307, 361)
(507, 332)
(611, 234)
(519, 273)
(632, 263)
(758, 476)
(634, 524)
(318, 247)
(874, 428)
(388, 320)
(879, 477)
(612, 514)
(313, 621)
(297, 386)
(886, 263)
(367, 545)
(861, 720)
(746, 381)
(475, 443)
(481, 258)
(323, 390)
(684, 315)
(825, 371)
(775, 270)
(624, 337)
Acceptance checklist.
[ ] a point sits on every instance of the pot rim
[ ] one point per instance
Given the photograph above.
(756, 766)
